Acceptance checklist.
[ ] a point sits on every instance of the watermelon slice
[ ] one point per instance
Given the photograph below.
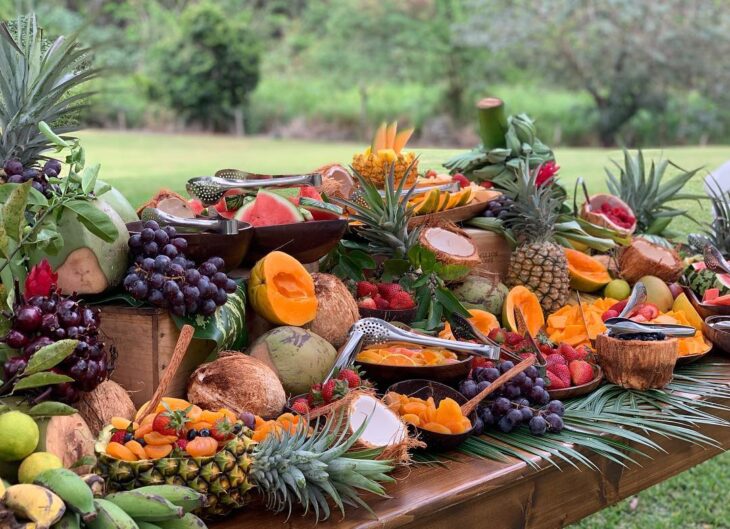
(711, 294)
(305, 191)
(320, 210)
(699, 265)
(269, 209)
(721, 300)
(196, 206)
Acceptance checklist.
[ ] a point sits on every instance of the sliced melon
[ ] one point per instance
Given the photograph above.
(269, 209)
(379, 141)
(401, 139)
(524, 299)
(390, 131)
(319, 209)
(586, 274)
(683, 304)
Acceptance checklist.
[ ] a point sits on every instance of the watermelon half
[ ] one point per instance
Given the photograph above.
(269, 209)
(320, 210)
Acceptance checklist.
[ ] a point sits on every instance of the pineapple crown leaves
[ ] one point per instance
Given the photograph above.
(647, 193)
(536, 209)
(311, 467)
(716, 232)
(38, 85)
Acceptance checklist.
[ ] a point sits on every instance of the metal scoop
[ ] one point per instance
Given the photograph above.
(637, 297)
(220, 225)
(619, 326)
(210, 189)
(714, 260)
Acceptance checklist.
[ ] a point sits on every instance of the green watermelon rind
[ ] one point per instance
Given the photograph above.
(318, 205)
(703, 279)
(296, 215)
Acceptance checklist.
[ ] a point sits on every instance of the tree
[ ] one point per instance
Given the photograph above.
(628, 55)
(207, 70)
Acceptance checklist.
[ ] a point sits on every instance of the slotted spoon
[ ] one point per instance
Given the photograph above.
(714, 260)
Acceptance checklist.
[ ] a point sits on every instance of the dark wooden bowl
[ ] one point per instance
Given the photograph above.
(449, 374)
(204, 245)
(305, 241)
(402, 315)
(720, 339)
(577, 391)
(424, 389)
(705, 310)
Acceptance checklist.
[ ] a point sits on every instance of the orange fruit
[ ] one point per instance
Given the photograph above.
(136, 448)
(436, 428)
(202, 446)
(410, 418)
(156, 438)
(157, 451)
(398, 360)
(120, 451)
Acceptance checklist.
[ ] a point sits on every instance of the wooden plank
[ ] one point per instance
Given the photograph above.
(475, 492)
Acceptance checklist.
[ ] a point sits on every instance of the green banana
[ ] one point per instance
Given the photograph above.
(109, 516)
(71, 489)
(184, 497)
(35, 503)
(189, 521)
(147, 525)
(145, 507)
(70, 520)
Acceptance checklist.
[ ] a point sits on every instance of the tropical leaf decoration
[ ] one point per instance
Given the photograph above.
(716, 232)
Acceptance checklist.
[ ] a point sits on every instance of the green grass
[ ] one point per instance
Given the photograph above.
(141, 163)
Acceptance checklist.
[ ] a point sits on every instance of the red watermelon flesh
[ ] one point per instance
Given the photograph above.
(306, 191)
(711, 294)
(320, 210)
(269, 209)
(196, 206)
(722, 300)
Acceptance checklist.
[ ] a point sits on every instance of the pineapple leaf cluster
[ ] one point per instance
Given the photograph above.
(39, 82)
(384, 215)
(311, 468)
(535, 210)
(717, 232)
(649, 192)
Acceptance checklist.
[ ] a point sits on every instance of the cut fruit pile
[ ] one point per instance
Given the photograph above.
(437, 200)
(286, 422)
(383, 296)
(567, 366)
(446, 418)
(407, 355)
(331, 391)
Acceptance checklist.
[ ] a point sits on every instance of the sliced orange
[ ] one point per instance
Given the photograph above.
(398, 360)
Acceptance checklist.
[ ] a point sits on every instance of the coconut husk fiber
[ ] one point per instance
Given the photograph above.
(336, 309)
(108, 400)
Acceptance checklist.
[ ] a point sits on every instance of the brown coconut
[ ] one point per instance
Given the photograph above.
(636, 364)
(68, 437)
(451, 245)
(170, 202)
(591, 211)
(237, 382)
(108, 400)
(336, 309)
(644, 258)
(337, 181)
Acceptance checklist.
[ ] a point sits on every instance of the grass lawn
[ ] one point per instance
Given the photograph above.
(141, 163)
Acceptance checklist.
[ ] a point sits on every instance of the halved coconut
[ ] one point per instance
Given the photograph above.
(384, 428)
(451, 246)
(336, 181)
(591, 211)
(170, 202)
(643, 258)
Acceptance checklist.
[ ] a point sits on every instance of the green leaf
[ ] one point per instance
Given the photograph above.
(393, 268)
(51, 409)
(88, 178)
(35, 197)
(44, 378)
(14, 211)
(94, 220)
(50, 356)
(449, 302)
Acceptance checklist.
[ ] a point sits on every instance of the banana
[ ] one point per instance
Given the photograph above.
(184, 497)
(147, 525)
(145, 507)
(96, 483)
(71, 489)
(109, 516)
(70, 520)
(189, 521)
(35, 503)
(512, 141)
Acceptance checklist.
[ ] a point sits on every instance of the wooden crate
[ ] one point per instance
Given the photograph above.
(145, 339)
(494, 251)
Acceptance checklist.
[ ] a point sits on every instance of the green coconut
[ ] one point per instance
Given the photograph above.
(479, 292)
(117, 201)
(86, 264)
(300, 358)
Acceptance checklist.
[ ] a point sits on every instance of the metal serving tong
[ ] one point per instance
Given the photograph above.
(370, 331)
(714, 260)
(219, 225)
(619, 326)
(210, 189)
(637, 297)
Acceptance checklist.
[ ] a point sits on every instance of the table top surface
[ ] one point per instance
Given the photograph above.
(469, 489)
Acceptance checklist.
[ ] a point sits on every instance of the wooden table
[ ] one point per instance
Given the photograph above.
(473, 492)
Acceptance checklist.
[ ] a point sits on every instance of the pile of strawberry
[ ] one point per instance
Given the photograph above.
(567, 366)
(384, 296)
(331, 391)
(642, 313)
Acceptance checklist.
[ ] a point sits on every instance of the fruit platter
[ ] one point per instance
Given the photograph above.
(300, 340)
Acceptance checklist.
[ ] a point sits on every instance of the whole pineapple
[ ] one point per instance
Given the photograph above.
(385, 152)
(538, 262)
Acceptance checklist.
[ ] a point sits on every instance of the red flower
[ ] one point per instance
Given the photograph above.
(41, 280)
(546, 173)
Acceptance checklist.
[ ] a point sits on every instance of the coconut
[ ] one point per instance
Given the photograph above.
(591, 211)
(385, 430)
(169, 202)
(239, 383)
(336, 181)
(300, 358)
(117, 201)
(108, 400)
(450, 245)
(643, 258)
(482, 292)
(336, 309)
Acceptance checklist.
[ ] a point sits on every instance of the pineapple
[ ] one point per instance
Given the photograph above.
(538, 262)
(287, 468)
(384, 153)
(36, 85)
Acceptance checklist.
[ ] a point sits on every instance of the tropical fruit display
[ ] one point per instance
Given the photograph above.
(384, 153)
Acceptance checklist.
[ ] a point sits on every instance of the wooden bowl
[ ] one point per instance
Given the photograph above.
(305, 241)
(384, 375)
(424, 389)
(705, 310)
(401, 315)
(634, 364)
(720, 339)
(577, 391)
(204, 245)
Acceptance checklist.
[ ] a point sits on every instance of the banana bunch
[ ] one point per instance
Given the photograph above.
(60, 499)
(520, 142)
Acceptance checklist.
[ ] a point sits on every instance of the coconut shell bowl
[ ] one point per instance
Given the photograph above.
(719, 338)
(307, 242)
(636, 364)
(203, 245)
(424, 389)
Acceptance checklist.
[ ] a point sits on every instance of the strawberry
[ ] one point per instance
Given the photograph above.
(333, 390)
(300, 406)
(618, 307)
(461, 179)
(546, 350)
(351, 377)
(388, 290)
(555, 381)
(181, 444)
(480, 361)
(402, 300)
(382, 303)
(367, 303)
(513, 338)
(170, 422)
(562, 372)
(555, 359)
(498, 335)
(118, 437)
(581, 372)
(610, 313)
(366, 289)
(569, 353)
(222, 430)
(487, 184)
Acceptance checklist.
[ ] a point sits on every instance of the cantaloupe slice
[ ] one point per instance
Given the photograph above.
(379, 140)
(401, 139)
(390, 132)
(586, 273)
(481, 319)
(683, 304)
(522, 298)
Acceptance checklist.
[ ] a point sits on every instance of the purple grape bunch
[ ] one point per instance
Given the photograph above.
(523, 400)
(43, 320)
(15, 173)
(162, 276)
